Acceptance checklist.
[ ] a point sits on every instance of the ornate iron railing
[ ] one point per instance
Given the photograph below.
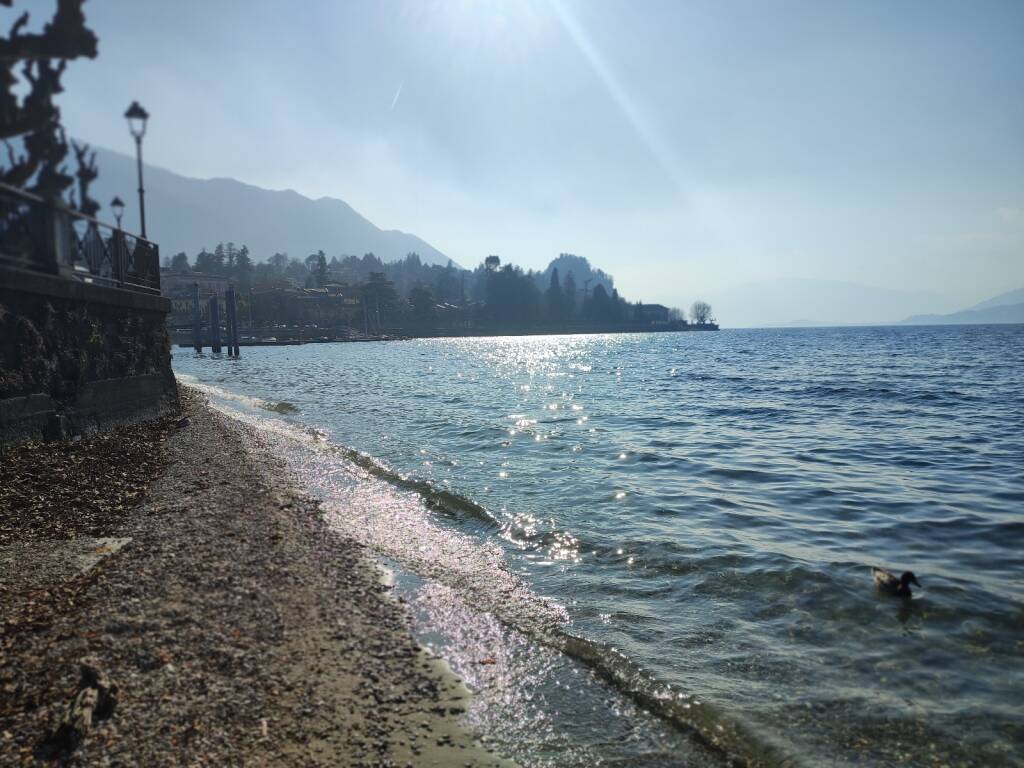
(51, 237)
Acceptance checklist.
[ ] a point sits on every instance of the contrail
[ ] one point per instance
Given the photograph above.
(397, 94)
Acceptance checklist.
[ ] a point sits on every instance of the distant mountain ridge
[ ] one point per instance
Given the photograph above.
(779, 302)
(1002, 300)
(187, 214)
(1005, 308)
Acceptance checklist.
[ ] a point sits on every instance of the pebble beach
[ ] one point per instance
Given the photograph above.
(235, 626)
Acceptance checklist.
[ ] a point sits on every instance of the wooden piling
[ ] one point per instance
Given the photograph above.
(231, 310)
(214, 324)
(197, 336)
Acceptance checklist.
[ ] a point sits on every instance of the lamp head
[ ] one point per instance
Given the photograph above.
(117, 206)
(137, 117)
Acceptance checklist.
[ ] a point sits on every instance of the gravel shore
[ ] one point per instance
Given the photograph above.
(238, 629)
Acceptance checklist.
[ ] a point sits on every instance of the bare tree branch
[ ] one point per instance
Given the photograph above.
(64, 37)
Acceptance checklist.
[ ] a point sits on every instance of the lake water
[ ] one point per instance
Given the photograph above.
(657, 536)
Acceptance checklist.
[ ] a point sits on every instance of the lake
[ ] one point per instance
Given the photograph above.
(623, 540)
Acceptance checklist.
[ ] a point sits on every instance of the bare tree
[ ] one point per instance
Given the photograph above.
(700, 313)
(86, 174)
(34, 119)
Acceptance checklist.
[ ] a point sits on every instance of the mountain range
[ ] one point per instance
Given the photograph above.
(1005, 308)
(187, 214)
(796, 302)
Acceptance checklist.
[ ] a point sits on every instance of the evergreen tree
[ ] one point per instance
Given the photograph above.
(600, 306)
(206, 262)
(316, 265)
(179, 262)
(379, 298)
(555, 299)
(569, 297)
(422, 302)
(321, 269)
(219, 259)
(447, 284)
(243, 266)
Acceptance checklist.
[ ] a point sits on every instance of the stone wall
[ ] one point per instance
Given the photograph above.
(77, 357)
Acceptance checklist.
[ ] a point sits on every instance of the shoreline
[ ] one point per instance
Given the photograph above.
(182, 338)
(237, 626)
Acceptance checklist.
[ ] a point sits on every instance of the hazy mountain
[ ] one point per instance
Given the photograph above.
(1004, 313)
(1005, 308)
(782, 302)
(186, 214)
(1002, 300)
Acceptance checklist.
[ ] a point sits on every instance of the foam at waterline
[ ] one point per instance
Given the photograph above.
(362, 499)
(256, 403)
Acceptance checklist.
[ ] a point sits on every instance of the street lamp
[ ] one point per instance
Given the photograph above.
(137, 118)
(117, 206)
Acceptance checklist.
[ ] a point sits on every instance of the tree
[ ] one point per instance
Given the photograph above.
(554, 299)
(700, 313)
(513, 298)
(618, 306)
(206, 262)
(492, 263)
(379, 297)
(600, 305)
(179, 262)
(321, 269)
(569, 297)
(27, 110)
(447, 285)
(422, 301)
(220, 256)
(230, 260)
(243, 266)
(279, 262)
(316, 263)
(297, 271)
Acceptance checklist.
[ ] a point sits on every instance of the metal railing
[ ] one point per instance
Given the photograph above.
(50, 237)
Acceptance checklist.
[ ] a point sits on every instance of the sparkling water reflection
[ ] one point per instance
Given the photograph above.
(708, 505)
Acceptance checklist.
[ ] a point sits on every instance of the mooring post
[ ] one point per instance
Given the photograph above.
(234, 322)
(227, 322)
(197, 336)
(232, 313)
(214, 324)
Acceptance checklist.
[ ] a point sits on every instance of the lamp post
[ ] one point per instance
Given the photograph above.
(117, 206)
(137, 118)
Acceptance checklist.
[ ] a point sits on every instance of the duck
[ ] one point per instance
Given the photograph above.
(887, 583)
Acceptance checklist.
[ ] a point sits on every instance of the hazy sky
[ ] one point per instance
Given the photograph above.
(685, 147)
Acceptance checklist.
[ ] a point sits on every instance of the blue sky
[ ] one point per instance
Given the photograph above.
(685, 147)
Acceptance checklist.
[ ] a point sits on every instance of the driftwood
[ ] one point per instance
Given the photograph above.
(94, 700)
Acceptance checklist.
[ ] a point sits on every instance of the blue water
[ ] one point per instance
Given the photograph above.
(702, 510)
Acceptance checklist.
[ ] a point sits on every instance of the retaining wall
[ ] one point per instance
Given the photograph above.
(77, 357)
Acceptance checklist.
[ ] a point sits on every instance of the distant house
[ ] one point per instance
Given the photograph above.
(174, 284)
(654, 314)
(323, 307)
(179, 288)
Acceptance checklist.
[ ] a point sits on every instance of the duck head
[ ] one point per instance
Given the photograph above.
(909, 578)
